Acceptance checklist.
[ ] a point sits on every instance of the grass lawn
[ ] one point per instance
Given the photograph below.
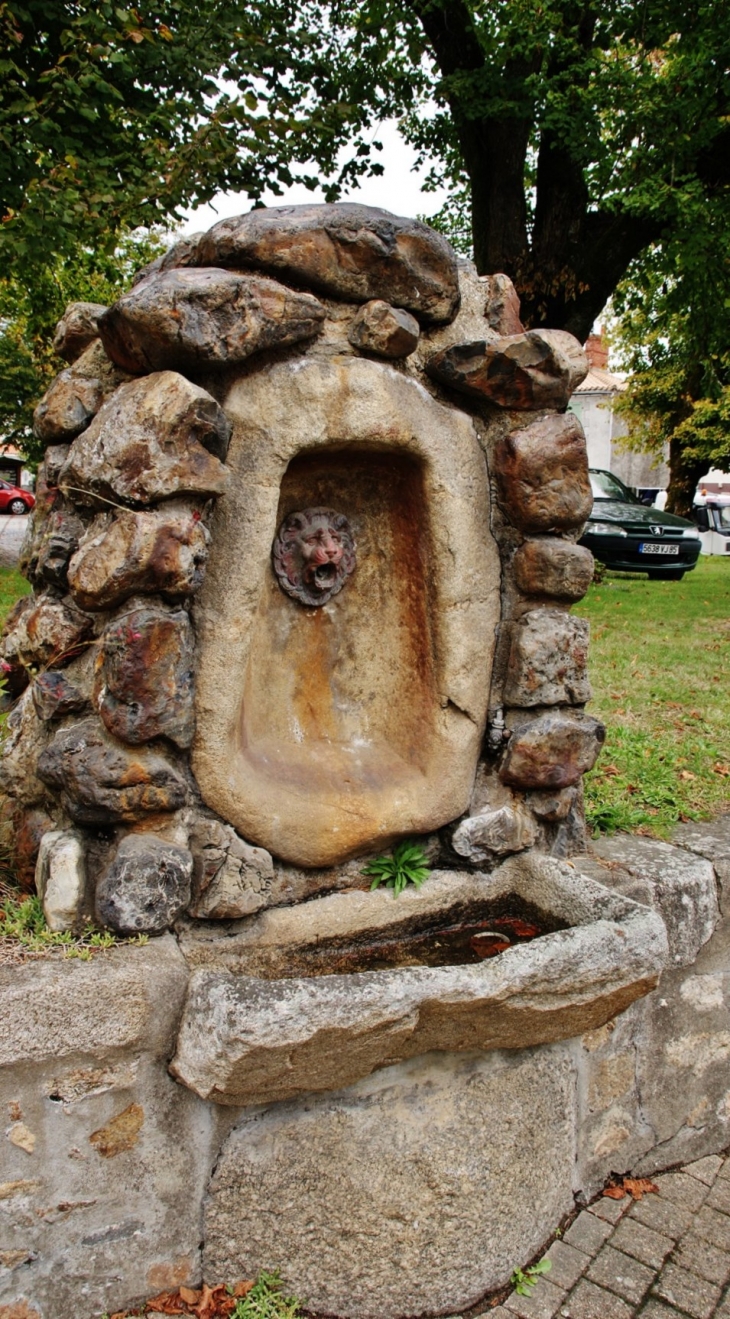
(659, 667)
(660, 653)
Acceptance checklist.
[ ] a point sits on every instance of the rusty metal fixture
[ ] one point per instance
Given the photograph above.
(313, 555)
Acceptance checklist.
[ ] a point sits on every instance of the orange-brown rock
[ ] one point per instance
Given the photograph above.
(542, 475)
(347, 251)
(552, 751)
(138, 552)
(75, 396)
(178, 319)
(538, 369)
(548, 660)
(29, 826)
(38, 633)
(101, 782)
(145, 676)
(154, 439)
(77, 328)
(550, 566)
(502, 307)
(384, 330)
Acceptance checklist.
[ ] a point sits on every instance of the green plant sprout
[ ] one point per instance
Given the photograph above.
(267, 1301)
(407, 864)
(22, 922)
(525, 1280)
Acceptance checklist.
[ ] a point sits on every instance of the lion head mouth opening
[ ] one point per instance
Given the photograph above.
(313, 555)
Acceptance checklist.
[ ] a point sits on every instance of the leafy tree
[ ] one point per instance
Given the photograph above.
(673, 334)
(30, 310)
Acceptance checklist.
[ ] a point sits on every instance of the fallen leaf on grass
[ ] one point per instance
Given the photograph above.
(167, 1303)
(636, 1187)
(723, 770)
(610, 771)
(686, 774)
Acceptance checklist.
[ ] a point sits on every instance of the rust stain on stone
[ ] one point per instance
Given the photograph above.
(122, 1133)
(19, 1310)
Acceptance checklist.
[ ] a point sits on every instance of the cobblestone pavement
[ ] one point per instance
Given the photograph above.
(662, 1256)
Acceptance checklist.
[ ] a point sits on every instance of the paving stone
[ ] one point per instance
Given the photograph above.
(662, 1215)
(610, 1210)
(544, 1302)
(705, 1170)
(568, 1264)
(719, 1197)
(694, 1295)
(724, 1173)
(642, 1242)
(591, 1302)
(701, 1257)
(658, 1310)
(723, 1310)
(621, 1274)
(588, 1233)
(713, 1227)
(682, 1190)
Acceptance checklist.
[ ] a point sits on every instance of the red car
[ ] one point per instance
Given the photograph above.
(13, 499)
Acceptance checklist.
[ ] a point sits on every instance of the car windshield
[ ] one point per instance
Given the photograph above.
(722, 517)
(606, 486)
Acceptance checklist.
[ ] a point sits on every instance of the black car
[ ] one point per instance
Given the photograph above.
(623, 533)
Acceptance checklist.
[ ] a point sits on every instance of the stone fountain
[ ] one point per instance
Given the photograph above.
(303, 557)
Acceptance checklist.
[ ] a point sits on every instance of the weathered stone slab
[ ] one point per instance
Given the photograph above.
(154, 439)
(542, 475)
(140, 552)
(384, 330)
(548, 659)
(38, 633)
(145, 676)
(101, 782)
(538, 369)
(179, 319)
(710, 838)
(245, 1040)
(60, 878)
(55, 696)
(231, 878)
(75, 396)
(493, 833)
(552, 751)
(392, 1159)
(679, 885)
(77, 328)
(347, 251)
(502, 306)
(550, 566)
(146, 886)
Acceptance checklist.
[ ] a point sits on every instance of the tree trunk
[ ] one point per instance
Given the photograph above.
(684, 474)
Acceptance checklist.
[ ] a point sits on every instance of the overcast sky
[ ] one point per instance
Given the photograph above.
(397, 190)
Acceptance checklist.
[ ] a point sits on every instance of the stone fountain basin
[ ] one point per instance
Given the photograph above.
(253, 1032)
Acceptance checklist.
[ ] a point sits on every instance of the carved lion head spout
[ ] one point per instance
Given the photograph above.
(313, 555)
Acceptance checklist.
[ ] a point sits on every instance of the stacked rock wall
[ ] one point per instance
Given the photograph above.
(135, 493)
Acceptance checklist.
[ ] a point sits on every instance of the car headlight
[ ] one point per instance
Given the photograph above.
(691, 533)
(606, 529)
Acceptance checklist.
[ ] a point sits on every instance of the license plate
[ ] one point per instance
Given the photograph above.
(658, 549)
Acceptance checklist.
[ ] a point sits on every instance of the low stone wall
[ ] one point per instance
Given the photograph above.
(412, 1192)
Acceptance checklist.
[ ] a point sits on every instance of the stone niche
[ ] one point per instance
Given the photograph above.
(325, 731)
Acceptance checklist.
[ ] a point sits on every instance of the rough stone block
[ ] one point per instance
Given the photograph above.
(77, 328)
(494, 833)
(61, 879)
(139, 552)
(542, 475)
(538, 369)
(26, 737)
(679, 885)
(153, 439)
(40, 632)
(53, 547)
(347, 251)
(552, 751)
(502, 306)
(664, 1217)
(591, 1302)
(179, 319)
(384, 330)
(54, 696)
(145, 676)
(146, 886)
(567, 1264)
(75, 396)
(698, 1256)
(358, 1158)
(695, 1296)
(231, 878)
(588, 1233)
(548, 658)
(621, 1274)
(544, 1302)
(710, 839)
(705, 1170)
(101, 782)
(554, 567)
(552, 806)
(634, 1238)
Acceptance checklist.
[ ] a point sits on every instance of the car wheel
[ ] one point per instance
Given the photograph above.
(17, 506)
(667, 574)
